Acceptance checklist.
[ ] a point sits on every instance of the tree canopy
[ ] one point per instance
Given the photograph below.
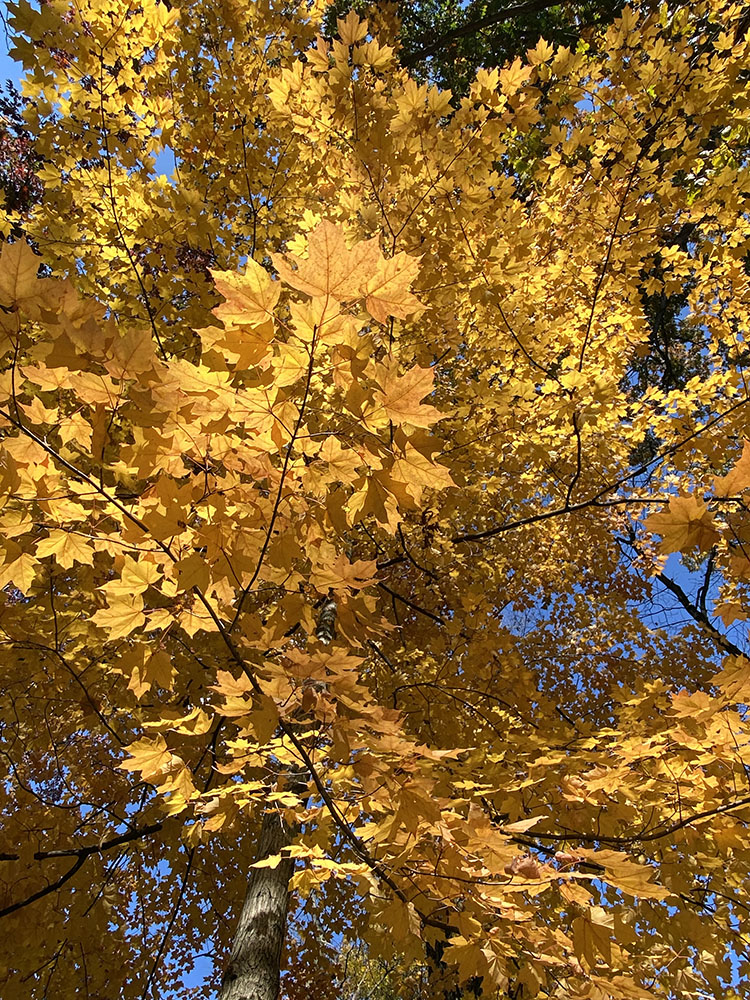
(374, 509)
(448, 41)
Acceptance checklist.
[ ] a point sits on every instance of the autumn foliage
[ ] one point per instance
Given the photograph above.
(336, 482)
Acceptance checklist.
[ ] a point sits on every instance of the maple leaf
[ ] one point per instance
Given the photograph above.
(149, 756)
(416, 472)
(21, 572)
(18, 274)
(401, 398)
(156, 670)
(351, 29)
(192, 572)
(120, 618)
(250, 297)
(67, 547)
(342, 575)
(685, 524)
(626, 874)
(592, 936)
(331, 268)
(738, 478)
(343, 463)
(134, 579)
(388, 289)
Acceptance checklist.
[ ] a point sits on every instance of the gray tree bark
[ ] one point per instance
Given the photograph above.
(254, 967)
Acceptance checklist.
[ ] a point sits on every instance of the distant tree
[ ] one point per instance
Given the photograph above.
(447, 41)
(19, 161)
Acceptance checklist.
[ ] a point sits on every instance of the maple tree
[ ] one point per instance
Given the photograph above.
(339, 507)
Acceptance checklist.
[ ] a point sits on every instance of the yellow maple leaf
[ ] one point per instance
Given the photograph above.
(685, 524)
(738, 477)
(626, 874)
(157, 669)
(342, 574)
(18, 269)
(730, 611)
(401, 919)
(151, 757)
(178, 784)
(592, 935)
(343, 463)
(67, 547)
(416, 471)
(351, 30)
(513, 77)
(192, 572)
(331, 268)
(401, 398)
(20, 572)
(250, 298)
(120, 618)
(134, 579)
(388, 289)
(734, 679)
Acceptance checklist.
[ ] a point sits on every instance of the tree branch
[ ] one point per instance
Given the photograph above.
(81, 855)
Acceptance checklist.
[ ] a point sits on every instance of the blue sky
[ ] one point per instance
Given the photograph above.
(9, 69)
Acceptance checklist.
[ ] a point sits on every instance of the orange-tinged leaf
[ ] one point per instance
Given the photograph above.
(731, 611)
(401, 397)
(514, 76)
(18, 269)
(343, 463)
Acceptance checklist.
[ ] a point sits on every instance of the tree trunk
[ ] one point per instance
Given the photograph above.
(255, 962)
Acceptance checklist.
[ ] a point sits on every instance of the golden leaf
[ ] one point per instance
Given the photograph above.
(21, 572)
(250, 298)
(738, 478)
(401, 398)
(388, 289)
(331, 268)
(120, 618)
(149, 756)
(684, 525)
